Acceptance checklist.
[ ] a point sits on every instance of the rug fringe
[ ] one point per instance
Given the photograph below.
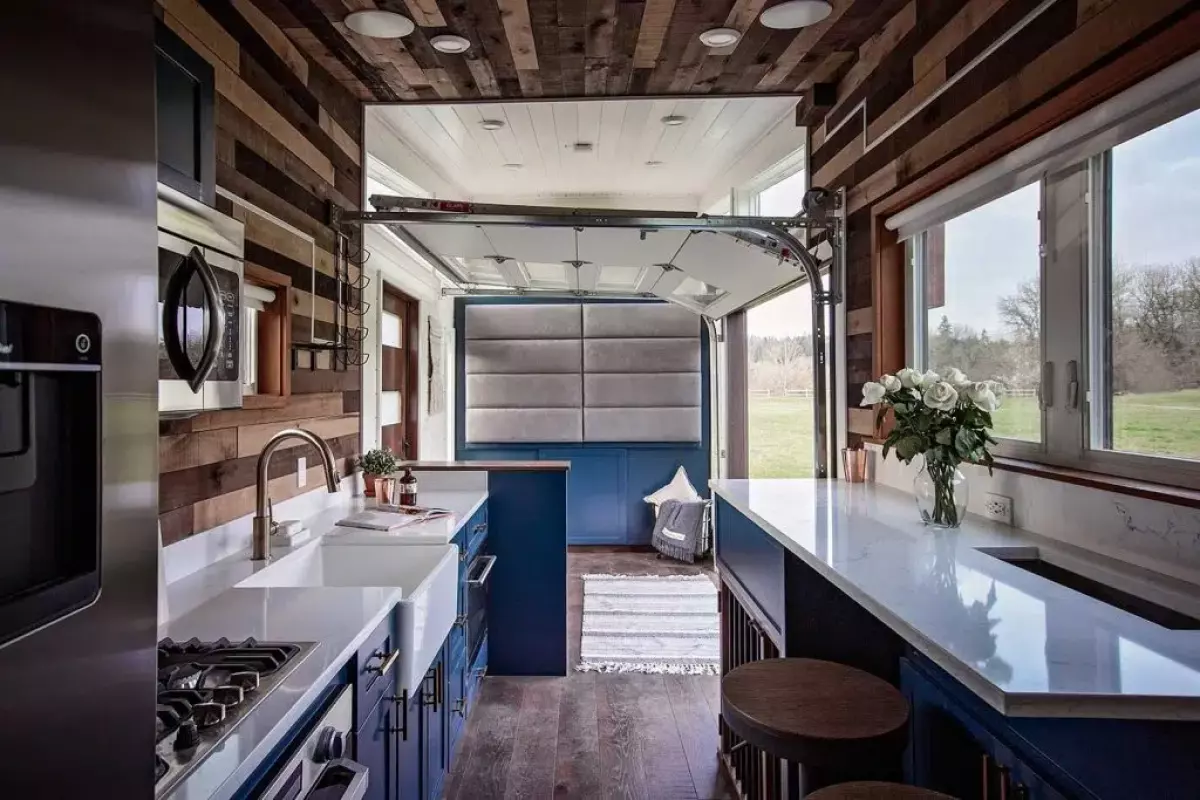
(601, 576)
(653, 668)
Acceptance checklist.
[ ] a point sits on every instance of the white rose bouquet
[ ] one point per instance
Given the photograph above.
(948, 419)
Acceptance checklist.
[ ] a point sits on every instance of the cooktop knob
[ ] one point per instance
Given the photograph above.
(331, 744)
(188, 735)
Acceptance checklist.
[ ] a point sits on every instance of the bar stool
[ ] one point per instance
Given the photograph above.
(836, 722)
(874, 790)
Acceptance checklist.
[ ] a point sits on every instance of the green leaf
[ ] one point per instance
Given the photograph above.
(908, 447)
(944, 436)
(964, 442)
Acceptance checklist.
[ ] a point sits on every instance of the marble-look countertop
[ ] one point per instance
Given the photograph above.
(207, 605)
(1024, 644)
(487, 466)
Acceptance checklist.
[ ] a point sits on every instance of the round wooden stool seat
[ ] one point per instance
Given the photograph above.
(874, 790)
(816, 713)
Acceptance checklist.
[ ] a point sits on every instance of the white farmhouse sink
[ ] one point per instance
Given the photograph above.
(426, 574)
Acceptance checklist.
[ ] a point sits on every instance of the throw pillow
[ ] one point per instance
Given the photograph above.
(680, 488)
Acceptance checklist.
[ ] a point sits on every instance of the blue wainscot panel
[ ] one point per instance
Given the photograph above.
(595, 494)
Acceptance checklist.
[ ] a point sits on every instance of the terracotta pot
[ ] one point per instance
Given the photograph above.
(369, 484)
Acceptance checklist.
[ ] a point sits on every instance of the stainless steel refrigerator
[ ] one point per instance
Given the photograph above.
(78, 399)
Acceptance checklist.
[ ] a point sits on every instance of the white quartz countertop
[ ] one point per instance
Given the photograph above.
(336, 620)
(1024, 644)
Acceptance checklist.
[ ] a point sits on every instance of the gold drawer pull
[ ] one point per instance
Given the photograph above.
(389, 660)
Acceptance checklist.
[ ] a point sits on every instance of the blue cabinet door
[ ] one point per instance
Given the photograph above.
(408, 748)
(595, 494)
(433, 731)
(376, 750)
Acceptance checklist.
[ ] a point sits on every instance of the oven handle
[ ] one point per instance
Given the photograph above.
(356, 789)
(194, 375)
(487, 570)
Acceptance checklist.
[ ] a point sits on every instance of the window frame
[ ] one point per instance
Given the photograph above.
(1076, 281)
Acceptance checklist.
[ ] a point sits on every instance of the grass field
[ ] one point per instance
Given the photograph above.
(1166, 423)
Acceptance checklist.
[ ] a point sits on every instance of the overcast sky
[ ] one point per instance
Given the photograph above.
(1156, 220)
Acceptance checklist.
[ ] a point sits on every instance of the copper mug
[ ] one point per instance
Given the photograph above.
(854, 464)
(385, 491)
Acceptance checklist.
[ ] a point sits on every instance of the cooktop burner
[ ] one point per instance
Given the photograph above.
(204, 690)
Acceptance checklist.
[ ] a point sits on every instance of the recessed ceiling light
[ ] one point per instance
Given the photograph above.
(720, 37)
(582, 147)
(674, 119)
(513, 166)
(492, 124)
(654, 163)
(380, 24)
(449, 43)
(796, 14)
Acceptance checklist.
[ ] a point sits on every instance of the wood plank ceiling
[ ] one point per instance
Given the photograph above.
(577, 48)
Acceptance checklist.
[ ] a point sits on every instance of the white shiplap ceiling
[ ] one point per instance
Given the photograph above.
(624, 134)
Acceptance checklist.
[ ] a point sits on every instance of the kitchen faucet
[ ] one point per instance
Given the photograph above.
(263, 523)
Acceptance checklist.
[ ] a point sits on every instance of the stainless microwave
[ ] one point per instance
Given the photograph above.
(200, 273)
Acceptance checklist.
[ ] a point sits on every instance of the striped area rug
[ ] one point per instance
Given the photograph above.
(649, 623)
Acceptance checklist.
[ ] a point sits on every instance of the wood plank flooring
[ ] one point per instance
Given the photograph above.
(589, 735)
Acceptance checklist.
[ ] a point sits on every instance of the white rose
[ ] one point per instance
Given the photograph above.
(957, 378)
(872, 393)
(941, 396)
(891, 383)
(999, 392)
(981, 394)
(909, 378)
(929, 379)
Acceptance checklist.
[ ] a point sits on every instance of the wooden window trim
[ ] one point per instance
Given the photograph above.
(274, 340)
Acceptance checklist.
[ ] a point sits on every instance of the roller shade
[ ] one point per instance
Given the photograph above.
(256, 298)
(1169, 94)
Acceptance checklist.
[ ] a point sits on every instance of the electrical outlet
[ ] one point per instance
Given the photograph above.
(998, 507)
(301, 472)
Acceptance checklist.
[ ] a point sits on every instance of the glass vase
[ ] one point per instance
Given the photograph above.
(942, 492)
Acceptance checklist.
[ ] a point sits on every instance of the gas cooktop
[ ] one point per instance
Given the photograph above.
(204, 690)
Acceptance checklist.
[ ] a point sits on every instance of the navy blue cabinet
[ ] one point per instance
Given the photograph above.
(376, 750)
(953, 751)
(433, 730)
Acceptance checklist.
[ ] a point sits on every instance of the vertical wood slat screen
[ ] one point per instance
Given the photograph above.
(755, 774)
(576, 372)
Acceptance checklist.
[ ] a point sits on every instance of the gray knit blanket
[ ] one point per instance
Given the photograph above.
(679, 530)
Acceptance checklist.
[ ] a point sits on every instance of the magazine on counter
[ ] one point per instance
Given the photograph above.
(389, 518)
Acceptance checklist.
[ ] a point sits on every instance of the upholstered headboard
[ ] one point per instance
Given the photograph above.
(576, 372)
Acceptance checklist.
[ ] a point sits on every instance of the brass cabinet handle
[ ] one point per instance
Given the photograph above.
(388, 661)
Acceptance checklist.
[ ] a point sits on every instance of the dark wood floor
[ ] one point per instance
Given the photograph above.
(593, 735)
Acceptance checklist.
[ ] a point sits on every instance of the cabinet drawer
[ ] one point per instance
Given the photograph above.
(374, 673)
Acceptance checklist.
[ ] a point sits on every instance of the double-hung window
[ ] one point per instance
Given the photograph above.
(1070, 273)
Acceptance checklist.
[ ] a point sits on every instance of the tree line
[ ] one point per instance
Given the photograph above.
(1154, 325)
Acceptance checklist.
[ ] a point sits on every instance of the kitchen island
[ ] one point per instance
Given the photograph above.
(1014, 678)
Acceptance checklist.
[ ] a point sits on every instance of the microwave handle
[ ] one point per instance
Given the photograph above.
(196, 375)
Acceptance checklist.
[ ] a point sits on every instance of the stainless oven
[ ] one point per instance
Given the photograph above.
(200, 304)
(49, 465)
(320, 767)
(477, 601)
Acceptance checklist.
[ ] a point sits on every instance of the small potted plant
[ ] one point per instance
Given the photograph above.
(948, 420)
(377, 463)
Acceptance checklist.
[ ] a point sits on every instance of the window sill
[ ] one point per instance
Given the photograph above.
(1096, 480)
(253, 402)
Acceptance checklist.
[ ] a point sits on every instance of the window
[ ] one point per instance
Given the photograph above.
(981, 306)
(1071, 274)
(1146, 369)
(265, 333)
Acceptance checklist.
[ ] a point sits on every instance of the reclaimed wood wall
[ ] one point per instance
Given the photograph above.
(913, 114)
(288, 138)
